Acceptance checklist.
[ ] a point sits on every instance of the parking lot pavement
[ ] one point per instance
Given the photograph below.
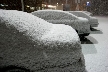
(95, 47)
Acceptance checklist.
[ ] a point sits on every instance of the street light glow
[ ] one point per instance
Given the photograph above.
(51, 6)
(2, 5)
(28, 6)
(87, 2)
(45, 5)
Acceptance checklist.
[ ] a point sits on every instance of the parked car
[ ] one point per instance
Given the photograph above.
(92, 20)
(31, 44)
(81, 25)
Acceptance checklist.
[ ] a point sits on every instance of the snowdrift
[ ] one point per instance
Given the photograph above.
(30, 42)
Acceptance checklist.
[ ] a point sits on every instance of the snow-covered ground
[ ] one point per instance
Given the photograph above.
(95, 47)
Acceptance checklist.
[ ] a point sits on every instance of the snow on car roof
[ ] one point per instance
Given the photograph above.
(74, 11)
(56, 11)
(79, 12)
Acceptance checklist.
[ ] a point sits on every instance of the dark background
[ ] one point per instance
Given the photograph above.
(97, 7)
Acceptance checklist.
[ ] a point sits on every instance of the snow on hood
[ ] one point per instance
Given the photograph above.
(62, 33)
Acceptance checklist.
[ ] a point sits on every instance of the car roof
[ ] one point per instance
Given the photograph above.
(56, 11)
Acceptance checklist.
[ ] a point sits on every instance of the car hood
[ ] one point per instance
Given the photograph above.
(61, 33)
(94, 20)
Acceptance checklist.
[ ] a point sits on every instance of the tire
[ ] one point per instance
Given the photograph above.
(86, 34)
(91, 28)
(76, 31)
(83, 35)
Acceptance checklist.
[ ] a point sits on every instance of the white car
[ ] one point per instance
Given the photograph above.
(92, 20)
(81, 25)
(31, 44)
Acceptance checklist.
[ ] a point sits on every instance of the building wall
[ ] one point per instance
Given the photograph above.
(32, 5)
(72, 3)
(97, 6)
(10, 4)
(29, 5)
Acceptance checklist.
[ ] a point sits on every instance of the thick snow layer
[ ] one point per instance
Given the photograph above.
(92, 20)
(30, 42)
(57, 33)
(81, 25)
(52, 15)
(24, 22)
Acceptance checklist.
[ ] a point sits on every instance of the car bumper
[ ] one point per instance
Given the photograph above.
(94, 25)
(93, 22)
(84, 30)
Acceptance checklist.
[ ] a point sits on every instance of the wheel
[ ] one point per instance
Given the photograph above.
(76, 31)
(86, 34)
(83, 35)
(91, 28)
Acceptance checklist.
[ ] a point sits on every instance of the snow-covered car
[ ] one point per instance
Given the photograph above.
(81, 25)
(92, 20)
(31, 44)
